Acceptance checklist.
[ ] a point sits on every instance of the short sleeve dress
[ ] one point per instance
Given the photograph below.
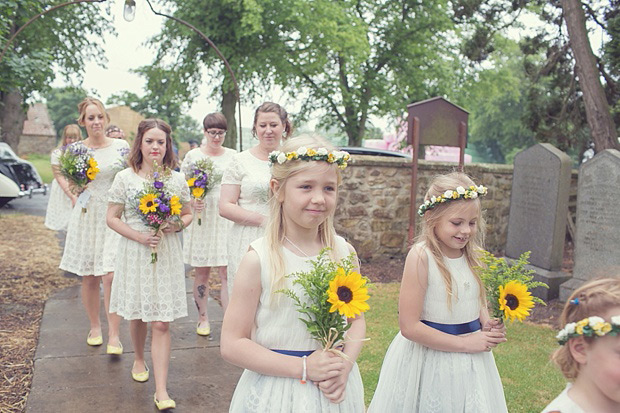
(563, 403)
(252, 175)
(277, 326)
(90, 245)
(59, 205)
(205, 245)
(415, 378)
(142, 290)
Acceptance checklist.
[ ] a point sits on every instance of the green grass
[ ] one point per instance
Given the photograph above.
(530, 380)
(42, 164)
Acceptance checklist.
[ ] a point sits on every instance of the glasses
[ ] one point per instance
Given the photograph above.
(213, 133)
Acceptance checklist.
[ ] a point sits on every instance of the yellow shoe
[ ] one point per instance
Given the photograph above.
(114, 349)
(164, 404)
(142, 376)
(204, 331)
(94, 341)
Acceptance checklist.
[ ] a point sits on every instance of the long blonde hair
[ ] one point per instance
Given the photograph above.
(596, 297)
(431, 219)
(276, 226)
(70, 131)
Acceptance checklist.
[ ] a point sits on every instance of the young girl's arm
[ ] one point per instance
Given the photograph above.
(237, 347)
(230, 210)
(63, 183)
(411, 301)
(113, 219)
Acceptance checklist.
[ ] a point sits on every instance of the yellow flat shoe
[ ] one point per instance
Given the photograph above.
(204, 331)
(94, 341)
(114, 349)
(164, 404)
(142, 376)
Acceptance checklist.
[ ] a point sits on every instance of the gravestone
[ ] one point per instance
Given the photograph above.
(538, 211)
(597, 244)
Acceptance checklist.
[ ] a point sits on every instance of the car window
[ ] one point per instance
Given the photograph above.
(6, 155)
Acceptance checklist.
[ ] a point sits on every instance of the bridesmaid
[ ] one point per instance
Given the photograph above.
(204, 246)
(245, 184)
(61, 199)
(90, 244)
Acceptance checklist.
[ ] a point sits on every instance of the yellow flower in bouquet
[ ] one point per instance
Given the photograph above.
(148, 203)
(197, 192)
(175, 205)
(92, 170)
(515, 300)
(348, 293)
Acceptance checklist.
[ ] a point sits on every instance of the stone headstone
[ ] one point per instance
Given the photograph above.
(597, 244)
(538, 211)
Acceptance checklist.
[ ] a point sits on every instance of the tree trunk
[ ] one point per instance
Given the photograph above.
(12, 117)
(229, 103)
(599, 118)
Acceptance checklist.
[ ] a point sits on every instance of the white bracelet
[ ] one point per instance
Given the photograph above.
(304, 371)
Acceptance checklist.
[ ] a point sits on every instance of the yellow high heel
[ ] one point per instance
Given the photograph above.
(164, 404)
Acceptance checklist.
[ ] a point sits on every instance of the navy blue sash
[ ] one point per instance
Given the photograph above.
(455, 329)
(296, 353)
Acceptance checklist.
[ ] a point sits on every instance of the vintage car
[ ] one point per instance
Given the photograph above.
(21, 172)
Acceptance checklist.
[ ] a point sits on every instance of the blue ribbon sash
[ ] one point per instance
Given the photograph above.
(296, 353)
(455, 329)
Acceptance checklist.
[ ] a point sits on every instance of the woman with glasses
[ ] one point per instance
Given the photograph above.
(245, 185)
(204, 246)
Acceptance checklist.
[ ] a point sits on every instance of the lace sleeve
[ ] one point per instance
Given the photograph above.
(183, 189)
(117, 192)
(54, 157)
(187, 160)
(233, 175)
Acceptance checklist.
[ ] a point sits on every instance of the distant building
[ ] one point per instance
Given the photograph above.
(38, 135)
(126, 119)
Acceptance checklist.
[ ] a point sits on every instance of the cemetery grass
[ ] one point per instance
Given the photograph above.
(530, 380)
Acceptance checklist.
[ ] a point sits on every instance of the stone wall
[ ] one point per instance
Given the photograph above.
(43, 144)
(373, 206)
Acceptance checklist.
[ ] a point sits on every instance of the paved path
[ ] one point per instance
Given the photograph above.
(70, 376)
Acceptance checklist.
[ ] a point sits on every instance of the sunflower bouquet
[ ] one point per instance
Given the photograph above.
(200, 179)
(78, 166)
(156, 205)
(332, 291)
(508, 287)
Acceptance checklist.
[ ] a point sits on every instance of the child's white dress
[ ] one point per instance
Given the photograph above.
(252, 175)
(280, 328)
(90, 245)
(415, 378)
(59, 205)
(563, 403)
(142, 290)
(205, 245)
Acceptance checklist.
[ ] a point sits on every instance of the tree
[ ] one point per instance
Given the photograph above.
(60, 38)
(62, 105)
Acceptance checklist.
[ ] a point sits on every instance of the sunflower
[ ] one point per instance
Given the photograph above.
(175, 205)
(515, 300)
(92, 170)
(148, 203)
(190, 182)
(348, 294)
(197, 192)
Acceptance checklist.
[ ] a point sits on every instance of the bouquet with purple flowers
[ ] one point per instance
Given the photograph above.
(200, 179)
(77, 164)
(156, 205)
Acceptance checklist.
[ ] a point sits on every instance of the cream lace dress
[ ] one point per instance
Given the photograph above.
(205, 245)
(279, 327)
(90, 245)
(415, 378)
(143, 290)
(252, 175)
(59, 204)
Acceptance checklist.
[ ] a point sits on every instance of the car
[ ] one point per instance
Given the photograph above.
(21, 172)
(356, 150)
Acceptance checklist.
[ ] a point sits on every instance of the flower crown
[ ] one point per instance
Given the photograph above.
(589, 327)
(451, 195)
(308, 154)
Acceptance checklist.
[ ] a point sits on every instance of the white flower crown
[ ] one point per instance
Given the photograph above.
(589, 327)
(308, 154)
(451, 195)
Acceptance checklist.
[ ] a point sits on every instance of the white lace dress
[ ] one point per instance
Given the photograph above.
(563, 403)
(283, 330)
(205, 245)
(252, 175)
(142, 290)
(90, 245)
(59, 204)
(415, 378)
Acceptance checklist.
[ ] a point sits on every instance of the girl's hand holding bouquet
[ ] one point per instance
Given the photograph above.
(78, 166)
(200, 179)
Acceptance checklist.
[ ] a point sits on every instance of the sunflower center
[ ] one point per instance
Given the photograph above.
(344, 294)
(149, 204)
(512, 302)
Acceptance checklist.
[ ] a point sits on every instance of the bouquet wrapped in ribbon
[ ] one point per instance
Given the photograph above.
(78, 166)
(200, 179)
(332, 291)
(156, 205)
(508, 287)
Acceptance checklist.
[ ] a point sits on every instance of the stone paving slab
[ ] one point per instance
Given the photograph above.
(70, 376)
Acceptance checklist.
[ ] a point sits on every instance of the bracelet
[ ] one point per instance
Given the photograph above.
(304, 371)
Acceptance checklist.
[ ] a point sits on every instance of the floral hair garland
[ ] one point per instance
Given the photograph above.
(589, 327)
(452, 195)
(308, 154)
